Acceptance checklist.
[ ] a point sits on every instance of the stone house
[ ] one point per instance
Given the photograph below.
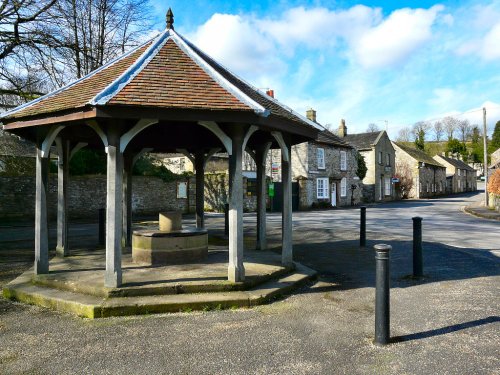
(460, 176)
(325, 171)
(420, 176)
(379, 154)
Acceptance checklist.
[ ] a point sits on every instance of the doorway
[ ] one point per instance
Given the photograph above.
(334, 195)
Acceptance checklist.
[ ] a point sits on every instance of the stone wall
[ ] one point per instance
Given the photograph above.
(87, 194)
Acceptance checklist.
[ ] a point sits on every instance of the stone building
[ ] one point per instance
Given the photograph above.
(325, 171)
(420, 176)
(460, 176)
(379, 154)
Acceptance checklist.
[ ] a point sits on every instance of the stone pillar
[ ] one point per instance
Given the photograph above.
(286, 179)
(41, 227)
(199, 165)
(114, 193)
(62, 247)
(236, 270)
(261, 155)
(127, 201)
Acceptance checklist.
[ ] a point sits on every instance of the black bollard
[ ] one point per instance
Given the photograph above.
(362, 227)
(382, 298)
(418, 268)
(226, 219)
(102, 225)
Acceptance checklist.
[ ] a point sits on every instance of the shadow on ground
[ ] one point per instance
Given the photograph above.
(346, 266)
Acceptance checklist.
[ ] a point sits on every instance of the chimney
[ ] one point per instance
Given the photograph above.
(443, 153)
(270, 93)
(342, 129)
(311, 114)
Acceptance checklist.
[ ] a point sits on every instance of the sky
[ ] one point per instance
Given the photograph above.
(382, 62)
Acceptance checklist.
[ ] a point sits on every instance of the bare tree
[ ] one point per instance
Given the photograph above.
(372, 128)
(450, 125)
(438, 130)
(404, 134)
(44, 44)
(405, 184)
(465, 129)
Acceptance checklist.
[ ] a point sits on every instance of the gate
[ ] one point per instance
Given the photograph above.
(277, 200)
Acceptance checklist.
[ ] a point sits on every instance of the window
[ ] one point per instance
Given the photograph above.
(343, 187)
(458, 171)
(252, 187)
(343, 160)
(321, 158)
(182, 190)
(322, 188)
(427, 187)
(380, 155)
(459, 184)
(387, 186)
(388, 160)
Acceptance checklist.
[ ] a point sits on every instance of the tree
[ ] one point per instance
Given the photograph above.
(450, 125)
(476, 154)
(45, 44)
(362, 168)
(405, 184)
(23, 34)
(465, 128)
(404, 134)
(454, 146)
(495, 138)
(372, 128)
(438, 130)
(420, 129)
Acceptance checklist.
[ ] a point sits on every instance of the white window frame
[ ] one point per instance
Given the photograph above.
(387, 185)
(343, 187)
(322, 188)
(380, 157)
(458, 171)
(343, 161)
(388, 160)
(320, 154)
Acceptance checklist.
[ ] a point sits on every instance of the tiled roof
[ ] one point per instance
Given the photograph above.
(80, 92)
(418, 155)
(328, 137)
(362, 141)
(456, 163)
(167, 72)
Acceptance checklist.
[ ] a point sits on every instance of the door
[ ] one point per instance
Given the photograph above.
(334, 195)
(277, 201)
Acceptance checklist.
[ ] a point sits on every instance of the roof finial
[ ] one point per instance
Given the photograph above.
(170, 19)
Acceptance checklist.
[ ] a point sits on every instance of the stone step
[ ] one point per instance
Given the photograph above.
(92, 307)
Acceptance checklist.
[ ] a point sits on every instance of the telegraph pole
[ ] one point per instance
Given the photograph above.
(485, 161)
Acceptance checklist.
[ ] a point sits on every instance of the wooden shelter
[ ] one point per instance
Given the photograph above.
(165, 95)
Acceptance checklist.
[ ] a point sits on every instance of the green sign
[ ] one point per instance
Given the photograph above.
(271, 190)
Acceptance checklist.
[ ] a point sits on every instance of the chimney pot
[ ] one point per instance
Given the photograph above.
(270, 93)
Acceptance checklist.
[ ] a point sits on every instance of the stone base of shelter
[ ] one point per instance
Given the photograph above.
(75, 285)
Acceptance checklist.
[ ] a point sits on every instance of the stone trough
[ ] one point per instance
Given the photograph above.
(170, 244)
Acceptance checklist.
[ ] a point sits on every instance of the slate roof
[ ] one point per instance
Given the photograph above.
(456, 163)
(167, 72)
(329, 138)
(362, 141)
(418, 155)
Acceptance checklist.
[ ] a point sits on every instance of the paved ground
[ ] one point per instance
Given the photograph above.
(447, 323)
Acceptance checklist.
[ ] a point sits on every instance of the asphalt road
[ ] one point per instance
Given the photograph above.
(446, 323)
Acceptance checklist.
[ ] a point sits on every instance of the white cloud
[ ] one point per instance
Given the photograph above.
(490, 49)
(234, 41)
(397, 37)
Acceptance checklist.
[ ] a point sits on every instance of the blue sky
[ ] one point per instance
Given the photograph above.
(400, 61)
